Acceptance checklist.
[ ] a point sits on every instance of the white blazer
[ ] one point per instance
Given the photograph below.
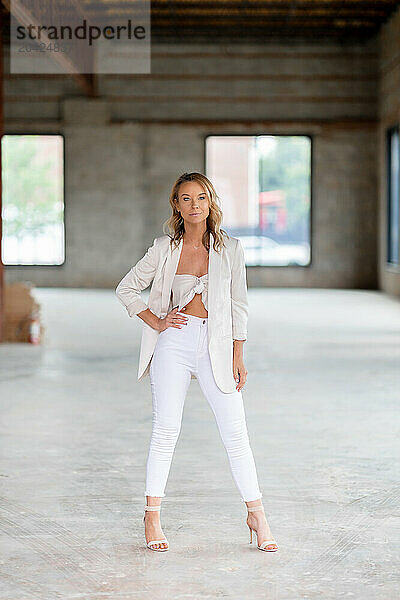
(227, 301)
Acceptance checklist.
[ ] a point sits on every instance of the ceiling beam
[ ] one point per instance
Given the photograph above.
(26, 16)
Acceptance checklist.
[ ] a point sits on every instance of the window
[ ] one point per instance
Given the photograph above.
(264, 185)
(33, 199)
(393, 187)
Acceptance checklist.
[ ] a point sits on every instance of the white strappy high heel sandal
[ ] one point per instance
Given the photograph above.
(264, 545)
(153, 542)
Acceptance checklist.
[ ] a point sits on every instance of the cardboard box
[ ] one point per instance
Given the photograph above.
(21, 309)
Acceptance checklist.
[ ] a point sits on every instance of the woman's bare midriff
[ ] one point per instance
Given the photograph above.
(195, 307)
(190, 261)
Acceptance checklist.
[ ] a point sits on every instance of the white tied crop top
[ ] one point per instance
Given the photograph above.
(185, 286)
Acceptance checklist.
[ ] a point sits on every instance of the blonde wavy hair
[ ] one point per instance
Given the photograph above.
(175, 223)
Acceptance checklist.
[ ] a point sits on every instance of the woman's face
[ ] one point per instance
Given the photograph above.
(193, 202)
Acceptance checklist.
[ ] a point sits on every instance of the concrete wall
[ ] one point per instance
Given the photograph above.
(389, 115)
(125, 149)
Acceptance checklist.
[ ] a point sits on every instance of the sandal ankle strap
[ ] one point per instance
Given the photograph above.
(147, 507)
(252, 508)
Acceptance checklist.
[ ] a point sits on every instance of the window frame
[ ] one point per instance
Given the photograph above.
(42, 266)
(308, 135)
(390, 263)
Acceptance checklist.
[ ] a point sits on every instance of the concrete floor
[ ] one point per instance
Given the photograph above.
(322, 402)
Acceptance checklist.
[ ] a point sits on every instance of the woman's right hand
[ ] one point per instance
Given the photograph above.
(173, 319)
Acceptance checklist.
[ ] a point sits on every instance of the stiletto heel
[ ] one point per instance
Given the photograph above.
(251, 534)
(265, 545)
(153, 542)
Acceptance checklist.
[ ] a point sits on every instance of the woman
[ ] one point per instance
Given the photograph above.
(196, 328)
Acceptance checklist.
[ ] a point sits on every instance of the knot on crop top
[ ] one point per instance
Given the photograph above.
(185, 286)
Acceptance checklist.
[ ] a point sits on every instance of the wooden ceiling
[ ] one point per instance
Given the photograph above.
(261, 20)
(248, 20)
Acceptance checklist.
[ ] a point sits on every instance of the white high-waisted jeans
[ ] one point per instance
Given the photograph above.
(178, 354)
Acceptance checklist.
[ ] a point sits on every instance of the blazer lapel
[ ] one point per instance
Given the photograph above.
(171, 265)
(214, 273)
(214, 281)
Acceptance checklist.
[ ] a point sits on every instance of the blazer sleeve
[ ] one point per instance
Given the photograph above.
(136, 280)
(239, 300)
